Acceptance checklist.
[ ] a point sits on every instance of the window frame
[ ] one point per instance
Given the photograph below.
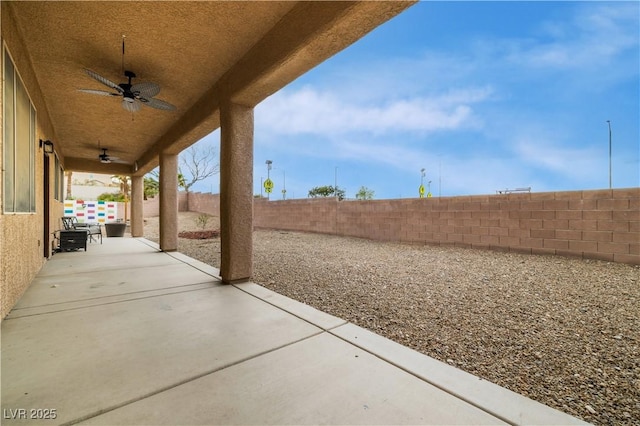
(19, 143)
(58, 179)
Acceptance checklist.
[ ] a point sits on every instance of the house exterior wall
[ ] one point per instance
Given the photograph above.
(21, 234)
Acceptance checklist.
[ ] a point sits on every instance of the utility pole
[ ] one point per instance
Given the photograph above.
(440, 179)
(610, 181)
(284, 185)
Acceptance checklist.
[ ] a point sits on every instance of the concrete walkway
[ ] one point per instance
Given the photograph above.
(126, 334)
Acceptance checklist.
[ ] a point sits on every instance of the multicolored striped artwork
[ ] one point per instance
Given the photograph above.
(91, 211)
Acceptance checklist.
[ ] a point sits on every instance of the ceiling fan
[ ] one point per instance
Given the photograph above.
(104, 157)
(133, 95)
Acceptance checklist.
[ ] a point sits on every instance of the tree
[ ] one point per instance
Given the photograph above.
(151, 186)
(327, 191)
(365, 193)
(112, 196)
(124, 182)
(199, 163)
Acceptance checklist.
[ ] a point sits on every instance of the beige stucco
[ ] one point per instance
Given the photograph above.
(22, 238)
(236, 193)
(137, 212)
(168, 202)
(198, 52)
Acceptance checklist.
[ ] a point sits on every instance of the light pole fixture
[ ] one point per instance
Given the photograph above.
(610, 181)
(422, 176)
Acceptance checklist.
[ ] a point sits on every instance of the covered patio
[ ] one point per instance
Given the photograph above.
(121, 88)
(127, 334)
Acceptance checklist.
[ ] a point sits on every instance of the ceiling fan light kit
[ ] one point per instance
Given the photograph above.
(104, 157)
(130, 105)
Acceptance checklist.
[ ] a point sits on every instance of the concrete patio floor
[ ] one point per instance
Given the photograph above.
(126, 334)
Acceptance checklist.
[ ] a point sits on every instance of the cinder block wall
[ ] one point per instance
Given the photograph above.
(151, 206)
(599, 224)
(204, 203)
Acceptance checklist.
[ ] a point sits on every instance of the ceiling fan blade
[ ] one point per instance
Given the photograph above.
(158, 104)
(99, 92)
(130, 104)
(145, 90)
(103, 80)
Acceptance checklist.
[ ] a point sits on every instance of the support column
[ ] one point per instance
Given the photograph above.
(168, 202)
(236, 192)
(137, 212)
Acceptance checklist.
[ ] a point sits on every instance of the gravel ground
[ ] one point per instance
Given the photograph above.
(565, 332)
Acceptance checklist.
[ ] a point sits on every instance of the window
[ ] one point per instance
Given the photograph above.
(19, 142)
(59, 180)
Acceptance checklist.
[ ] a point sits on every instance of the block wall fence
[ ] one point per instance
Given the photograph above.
(596, 224)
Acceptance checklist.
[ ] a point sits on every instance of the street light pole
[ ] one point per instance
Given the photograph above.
(610, 181)
(440, 179)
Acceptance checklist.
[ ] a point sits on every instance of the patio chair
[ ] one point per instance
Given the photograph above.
(92, 229)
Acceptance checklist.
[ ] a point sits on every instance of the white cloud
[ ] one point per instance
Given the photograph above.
(578, 164)
(309, 110)
(595, 36)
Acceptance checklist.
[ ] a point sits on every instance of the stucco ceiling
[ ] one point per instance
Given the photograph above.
(198, 52)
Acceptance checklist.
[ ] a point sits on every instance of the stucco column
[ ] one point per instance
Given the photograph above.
(236, 192)
(168, 202)
(137, 212)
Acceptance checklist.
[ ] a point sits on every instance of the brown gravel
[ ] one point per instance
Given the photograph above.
(562, 331)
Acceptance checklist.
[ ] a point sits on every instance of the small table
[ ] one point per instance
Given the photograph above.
(73, 240)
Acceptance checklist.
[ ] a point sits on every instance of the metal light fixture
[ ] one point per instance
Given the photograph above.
(47, 145)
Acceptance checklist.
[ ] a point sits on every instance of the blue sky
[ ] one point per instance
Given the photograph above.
(482, 95)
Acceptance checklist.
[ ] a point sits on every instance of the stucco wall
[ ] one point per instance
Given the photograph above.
(22, 237)
(21, 255)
